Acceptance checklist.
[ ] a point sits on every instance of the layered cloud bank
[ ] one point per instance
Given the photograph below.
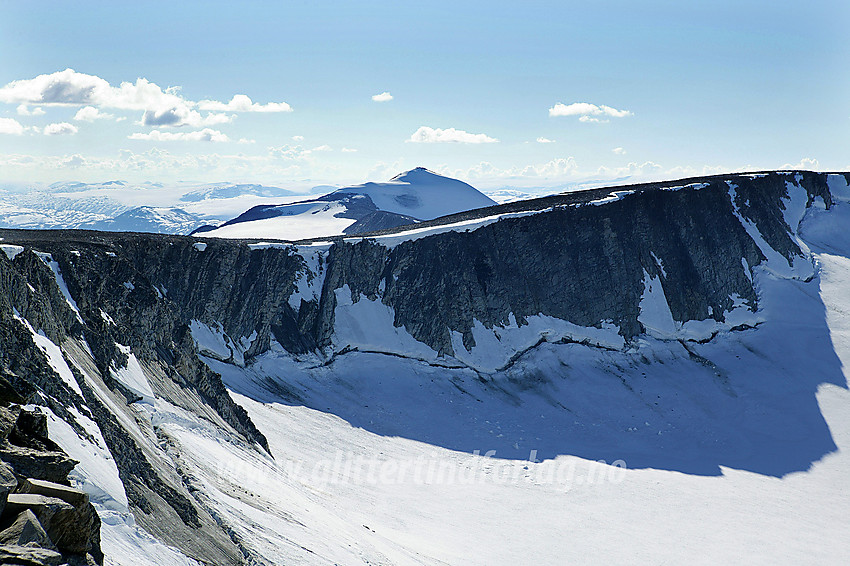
(160, 107)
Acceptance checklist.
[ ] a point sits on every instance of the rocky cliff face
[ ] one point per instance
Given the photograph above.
(42, 520)
(61, 349)
(95, 326)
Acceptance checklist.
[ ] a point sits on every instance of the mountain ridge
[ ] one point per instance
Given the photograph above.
(490, 320)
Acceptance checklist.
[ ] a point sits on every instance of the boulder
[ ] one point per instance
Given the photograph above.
(75, 497)
(69, 529)
(29, 556)
(85, 537)
(9, 389)
(31, 431)
(44, 507)
(26, 531)
(8, 420)
(51, 465)
(8, 483)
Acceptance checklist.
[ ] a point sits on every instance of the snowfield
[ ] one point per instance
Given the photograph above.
(417, 193)
(297, 221)
(545, 444)
(422, 194)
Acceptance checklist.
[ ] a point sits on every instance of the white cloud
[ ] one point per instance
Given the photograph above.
(75, 161)
(70, 88)
(161, 107)
(348, 150)
(289, 152)
(90, 114)
(559, 172)
(296, 152)
(298, 138)
(566, 170)
(23, 110)
(633, 169)
(206, 135)
(182, 116)
(60, 129)
(545, 140)
(383, 97)
(243, 103)
(246, 141)
(11, 126)
(154, 163)
(383, 171)
(807, 163)
(619, 151)
(450, 135)
(588, 112)
(560, 168)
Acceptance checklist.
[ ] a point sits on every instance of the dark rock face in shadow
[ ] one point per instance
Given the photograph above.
(584, 264)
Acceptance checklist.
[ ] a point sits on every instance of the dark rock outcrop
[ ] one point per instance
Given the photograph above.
(577, 262)
(141, 318)
(56, 516)
(29, 556)
(24, 446)
(26, 531)
(571, 260)
(8, 483)
(41, 518)
(76, 533)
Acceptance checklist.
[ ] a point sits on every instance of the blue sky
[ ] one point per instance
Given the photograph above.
(531, 93)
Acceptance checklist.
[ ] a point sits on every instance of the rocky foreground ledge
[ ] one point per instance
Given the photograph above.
(43, 521)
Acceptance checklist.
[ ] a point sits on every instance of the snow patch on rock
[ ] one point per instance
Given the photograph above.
(214, 342)
(11, 251)
(496, 347)
(60, 282)
(800, 267)
(368, 325)
(53, 353)
(132, 376)
(308, 285)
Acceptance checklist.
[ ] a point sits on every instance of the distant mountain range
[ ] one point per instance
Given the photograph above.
(120, 206)
(231, 210)
(149, 219)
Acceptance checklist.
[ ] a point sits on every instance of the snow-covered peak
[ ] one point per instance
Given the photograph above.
(417, 174)
(407, 198)
(422, 194)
